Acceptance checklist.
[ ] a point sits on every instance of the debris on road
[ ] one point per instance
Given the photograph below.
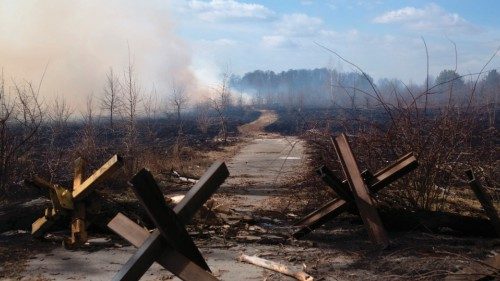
(278, 267)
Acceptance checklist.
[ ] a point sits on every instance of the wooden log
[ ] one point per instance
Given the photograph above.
(274, 266)
(165, 219)
(364, 202)
(485, 200)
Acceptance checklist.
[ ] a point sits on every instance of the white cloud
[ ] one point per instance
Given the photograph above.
(277, 41)
(229, 9)
(429, 18)
(300, 25)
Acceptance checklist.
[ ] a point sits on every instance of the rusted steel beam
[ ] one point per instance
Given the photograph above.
(201, 191)
(170, 259)
(362, 197)
(333, 208)
(319, 217)
(164, 218)
(485, 200)
(398, 169)
(197, 196)
(340, 188)
(142, 260)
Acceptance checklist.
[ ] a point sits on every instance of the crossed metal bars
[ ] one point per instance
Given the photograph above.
(354, 194)
(69, 202)
(170, 244)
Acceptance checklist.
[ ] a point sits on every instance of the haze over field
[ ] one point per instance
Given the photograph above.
(78, 41)
(192, 42)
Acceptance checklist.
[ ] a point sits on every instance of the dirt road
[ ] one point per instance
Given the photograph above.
(263, 164)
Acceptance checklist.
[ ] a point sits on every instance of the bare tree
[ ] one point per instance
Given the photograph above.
(178, 99)
(59, 114)
(131, 101)
(220, 104)
(151, 109)
(88, 145)
(21, 116)
(111, 99)
(203, 117)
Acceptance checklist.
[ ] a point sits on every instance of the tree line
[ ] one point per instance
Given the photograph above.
(323, 86)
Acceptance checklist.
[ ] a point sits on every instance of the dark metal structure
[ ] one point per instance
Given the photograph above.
(354, 194)
(170, 244)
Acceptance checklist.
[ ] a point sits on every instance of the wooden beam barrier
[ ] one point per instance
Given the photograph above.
(113, 164)
(68, 202)
(179, 257)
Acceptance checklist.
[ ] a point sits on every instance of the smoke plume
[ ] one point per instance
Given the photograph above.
(78, 41)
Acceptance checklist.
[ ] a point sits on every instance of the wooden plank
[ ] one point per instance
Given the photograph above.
(113, 164)
(78, 226)
(485, 200)
(201, 191)
(41, 226)
(165, 219)
(362, 197)
(170, 259)
(78, 173)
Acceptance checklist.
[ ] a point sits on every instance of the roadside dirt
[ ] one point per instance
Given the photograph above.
(263, 163)
(266, 192)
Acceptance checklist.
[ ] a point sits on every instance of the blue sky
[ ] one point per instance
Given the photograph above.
(383, 37)
(191, 42)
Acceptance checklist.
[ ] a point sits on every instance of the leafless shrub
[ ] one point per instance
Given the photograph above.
(54, 158)
(446, 137)
(220, 103)
(111, 100)
(131, 100)
(203, 117)
(21, 116)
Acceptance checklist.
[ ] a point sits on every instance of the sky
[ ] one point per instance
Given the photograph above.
(191, 42)
(383, 37)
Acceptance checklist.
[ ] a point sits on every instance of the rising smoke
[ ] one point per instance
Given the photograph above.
(78, 41)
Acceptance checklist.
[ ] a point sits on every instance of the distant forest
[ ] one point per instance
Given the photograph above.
(329, 87)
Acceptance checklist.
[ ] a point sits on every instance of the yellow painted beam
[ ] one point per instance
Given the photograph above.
(106, 170)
